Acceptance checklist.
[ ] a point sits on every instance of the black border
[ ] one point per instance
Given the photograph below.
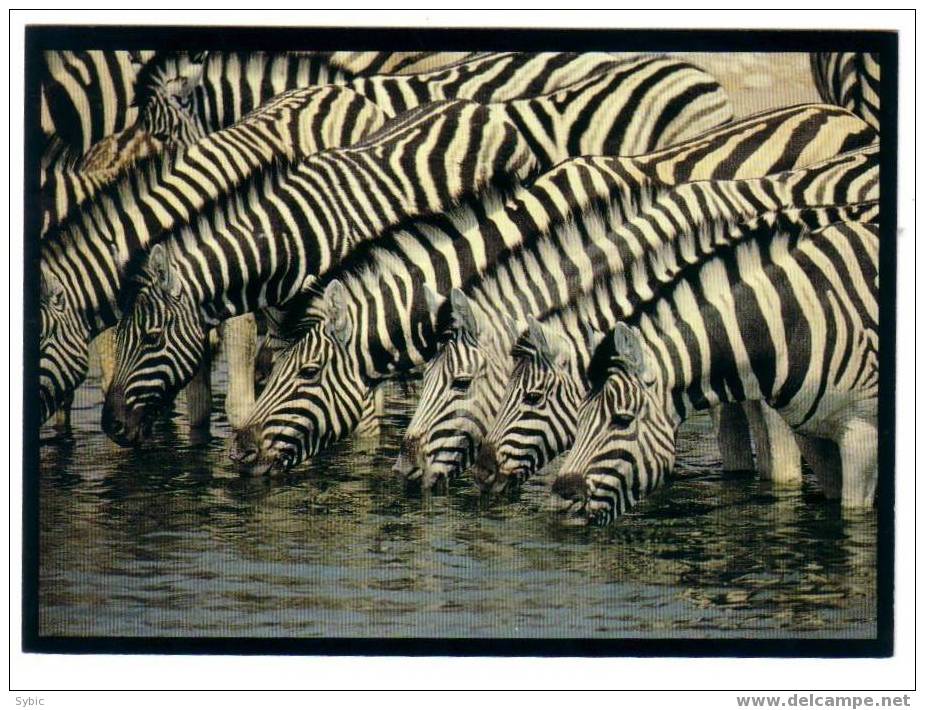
(41, 37)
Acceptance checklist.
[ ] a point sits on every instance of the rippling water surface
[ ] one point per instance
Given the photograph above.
(170, 541)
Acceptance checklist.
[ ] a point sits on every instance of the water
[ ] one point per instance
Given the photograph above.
(170, 541)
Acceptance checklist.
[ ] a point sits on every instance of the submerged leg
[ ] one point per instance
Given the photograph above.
(199, 396)
(857, 446)
(822, 457)
(239, 340)
(735, 446)
(777, 456)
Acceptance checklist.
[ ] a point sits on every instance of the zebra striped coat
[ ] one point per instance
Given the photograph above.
(390, 328)
(799, 331)
(257, 247)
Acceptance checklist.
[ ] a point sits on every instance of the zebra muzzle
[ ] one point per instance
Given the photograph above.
(570, 486)
(125, 425)
(245, 446)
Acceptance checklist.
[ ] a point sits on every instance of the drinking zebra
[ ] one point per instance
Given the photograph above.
(567, 119)
(377, 321)
(849, 79)
(84, 258)
(257, 246)
(545, 378)
(799, 331)
(474, 364)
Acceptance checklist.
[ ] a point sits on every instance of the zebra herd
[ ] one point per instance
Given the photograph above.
(572, 251)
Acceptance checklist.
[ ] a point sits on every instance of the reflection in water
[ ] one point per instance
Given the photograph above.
(169, 540)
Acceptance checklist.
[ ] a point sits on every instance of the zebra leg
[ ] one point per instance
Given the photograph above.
(732, 437)
(62, 425)
(777, 456)
(373, 409)
(857, 446)
(199, 397)
(822, 457)
(105, 344)
(239, 340)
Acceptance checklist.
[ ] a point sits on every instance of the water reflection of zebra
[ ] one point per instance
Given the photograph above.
(800, 331)
(596, 115)
(377, 322)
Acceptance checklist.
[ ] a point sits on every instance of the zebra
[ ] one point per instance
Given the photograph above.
(799, 331)
(83, 259)
(566, 119)
(378, 321)
(473, 363)
(849, 79)
(547, 380)
(257, 246)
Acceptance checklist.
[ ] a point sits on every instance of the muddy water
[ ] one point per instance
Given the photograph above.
(170, 541)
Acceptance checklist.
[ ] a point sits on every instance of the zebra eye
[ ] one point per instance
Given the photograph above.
(154, 336)
(461, 384)
(309, 372)
(621, 420)
(533, 398)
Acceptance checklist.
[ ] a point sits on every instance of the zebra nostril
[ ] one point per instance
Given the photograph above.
(245, 446)
(570, 486)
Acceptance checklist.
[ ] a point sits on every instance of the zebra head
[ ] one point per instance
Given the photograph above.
(624, 443)
(165, 94)
(159, 345)
(314, 396)
(63, 345)
(460, 389)
(537, 418)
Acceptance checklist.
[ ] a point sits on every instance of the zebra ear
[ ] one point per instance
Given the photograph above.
(595, 338)
(52, 290)
(164, 273)
(628, 352)
(335, 302)
(463, 317)
(547, 343)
